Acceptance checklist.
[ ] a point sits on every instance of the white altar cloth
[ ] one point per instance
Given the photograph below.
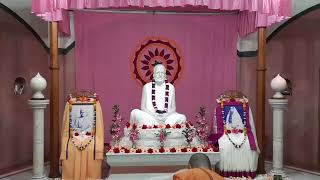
(156, 159)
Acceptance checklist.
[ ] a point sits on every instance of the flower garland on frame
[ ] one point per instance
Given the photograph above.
(221, 120)
(88, 136)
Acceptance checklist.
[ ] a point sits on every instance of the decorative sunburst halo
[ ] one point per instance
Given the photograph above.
(152, 51)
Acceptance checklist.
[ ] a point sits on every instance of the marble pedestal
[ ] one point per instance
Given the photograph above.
(278, 108)
(38, 107)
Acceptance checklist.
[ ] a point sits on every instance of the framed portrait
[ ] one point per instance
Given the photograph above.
(82, 118)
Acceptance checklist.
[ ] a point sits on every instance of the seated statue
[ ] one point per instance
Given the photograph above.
(158, 104)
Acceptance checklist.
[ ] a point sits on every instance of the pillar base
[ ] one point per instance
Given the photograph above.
(281, 173)
(40, 178)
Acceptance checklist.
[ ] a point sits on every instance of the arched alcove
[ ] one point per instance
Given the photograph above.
(294, 52)
(21, 55)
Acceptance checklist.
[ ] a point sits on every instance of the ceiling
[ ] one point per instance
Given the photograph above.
(23, 9)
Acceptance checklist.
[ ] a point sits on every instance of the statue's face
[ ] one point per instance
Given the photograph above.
(159, 73)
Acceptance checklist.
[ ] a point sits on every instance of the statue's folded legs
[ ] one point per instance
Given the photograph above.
(139, 117)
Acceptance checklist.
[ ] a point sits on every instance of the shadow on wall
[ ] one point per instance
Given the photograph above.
(294, 53)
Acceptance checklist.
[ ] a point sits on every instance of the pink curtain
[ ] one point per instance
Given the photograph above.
(106, 42)
(266, 12)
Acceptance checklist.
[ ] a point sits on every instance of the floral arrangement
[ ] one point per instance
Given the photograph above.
(134, 135)
(123, 150)
(115, 126)
(189, 134)
(202, 127)
(163, 133)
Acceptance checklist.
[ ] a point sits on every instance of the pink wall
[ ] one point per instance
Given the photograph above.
(295, 53)
(21, 55)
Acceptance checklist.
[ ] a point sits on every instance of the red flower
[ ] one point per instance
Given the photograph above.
(107, 148)
(178, 126)
(150, 150)
(168, 126)
(194, 149)
(138, 151)
(190, 123)
(205, 149)
(161, 150)
(187, 125)
(126, 150)
(88, 133)
(76, 134)
(184, 150)
(127, 124)
(232, 100)
(144, 126)
(134, 126)
(172, 150)
(116, 150)
(215, 149)
(155, 126)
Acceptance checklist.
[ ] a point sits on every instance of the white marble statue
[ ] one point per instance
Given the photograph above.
(158, 104)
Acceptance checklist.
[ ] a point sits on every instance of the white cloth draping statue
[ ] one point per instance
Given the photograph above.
(158, 104)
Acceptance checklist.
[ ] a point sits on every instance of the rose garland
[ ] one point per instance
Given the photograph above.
(236, 131)
(83, 100)
(153, 97)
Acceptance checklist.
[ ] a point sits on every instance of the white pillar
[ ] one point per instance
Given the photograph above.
(38, 107)
(38, 103)
(278, 108)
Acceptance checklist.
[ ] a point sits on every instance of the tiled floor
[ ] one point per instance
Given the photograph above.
(293, 175)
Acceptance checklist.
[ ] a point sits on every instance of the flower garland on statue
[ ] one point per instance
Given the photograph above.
(115, 126)
(153, 96)
(202, 127)
(189, 134)
(134, 135)
(163, 133)
(235, 131)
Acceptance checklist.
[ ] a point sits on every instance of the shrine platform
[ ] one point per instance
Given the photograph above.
(153, 163)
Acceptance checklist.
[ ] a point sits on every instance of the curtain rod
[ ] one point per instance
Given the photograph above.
(154, 12)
